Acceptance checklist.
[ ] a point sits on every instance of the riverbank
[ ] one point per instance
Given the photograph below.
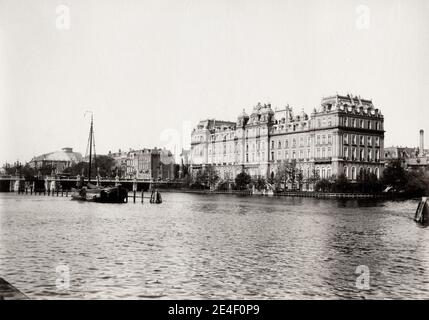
(305, 194)
(301, 194)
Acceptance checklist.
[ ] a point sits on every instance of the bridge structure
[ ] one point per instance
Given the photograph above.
(9, 183)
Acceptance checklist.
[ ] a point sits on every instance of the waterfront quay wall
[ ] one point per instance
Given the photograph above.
(302, 194)
(16, 184)
(19, 184)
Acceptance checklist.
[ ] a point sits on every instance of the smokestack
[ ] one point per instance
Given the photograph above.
(422, 145)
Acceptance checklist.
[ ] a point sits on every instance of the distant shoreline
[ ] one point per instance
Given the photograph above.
(298, 194)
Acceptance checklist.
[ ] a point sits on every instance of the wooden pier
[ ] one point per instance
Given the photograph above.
(134, 195)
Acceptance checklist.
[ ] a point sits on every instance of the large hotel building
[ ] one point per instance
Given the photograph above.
(344, 135)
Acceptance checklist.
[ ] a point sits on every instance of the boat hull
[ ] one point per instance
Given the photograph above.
(101, 195)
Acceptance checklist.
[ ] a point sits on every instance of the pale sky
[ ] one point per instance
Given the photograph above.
(150, 70)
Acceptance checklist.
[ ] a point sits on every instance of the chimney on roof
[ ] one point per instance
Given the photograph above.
(422, 141)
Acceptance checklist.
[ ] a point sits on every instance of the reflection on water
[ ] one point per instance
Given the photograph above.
(213, 246)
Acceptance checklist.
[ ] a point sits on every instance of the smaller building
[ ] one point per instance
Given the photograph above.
(144, 164)
(416, 158)
(419, 163)
(59, 160)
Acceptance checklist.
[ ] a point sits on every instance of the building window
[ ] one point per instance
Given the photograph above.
(272, 144)
(323, 153)
(346, 138)
(301, 154)
(329, 139)
(329, 152)
(353, 173)
(362, 140)
(286, 144)
(272, 156)
(294, 143)
(280, 145)
(301, 141)
(318, 153)
(318, 140)
(377, 141)
(323, 139)
(308, 141)
(346, 172)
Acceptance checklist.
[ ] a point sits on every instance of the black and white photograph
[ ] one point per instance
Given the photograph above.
(214, 150)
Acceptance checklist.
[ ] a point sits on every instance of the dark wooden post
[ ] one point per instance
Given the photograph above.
(62, 192)
(134, 189)
(31, 191)
(58, 192)
(67, 193)
(142, 195)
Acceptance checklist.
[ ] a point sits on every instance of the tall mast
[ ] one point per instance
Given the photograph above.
(90, 150)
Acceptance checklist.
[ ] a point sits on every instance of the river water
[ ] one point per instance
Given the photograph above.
(213, 246)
